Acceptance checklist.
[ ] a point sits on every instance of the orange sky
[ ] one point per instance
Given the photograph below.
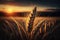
(11, 8)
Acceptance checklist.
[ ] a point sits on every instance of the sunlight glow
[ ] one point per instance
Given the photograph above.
(9, 10)
(12, 8)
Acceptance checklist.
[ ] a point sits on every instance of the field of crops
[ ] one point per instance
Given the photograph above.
(16, 28)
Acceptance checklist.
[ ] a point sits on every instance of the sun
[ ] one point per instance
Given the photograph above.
(9, 10)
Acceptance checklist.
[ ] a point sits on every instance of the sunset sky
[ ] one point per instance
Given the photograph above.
(50, 3)
(28, 5)
(10, 8)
